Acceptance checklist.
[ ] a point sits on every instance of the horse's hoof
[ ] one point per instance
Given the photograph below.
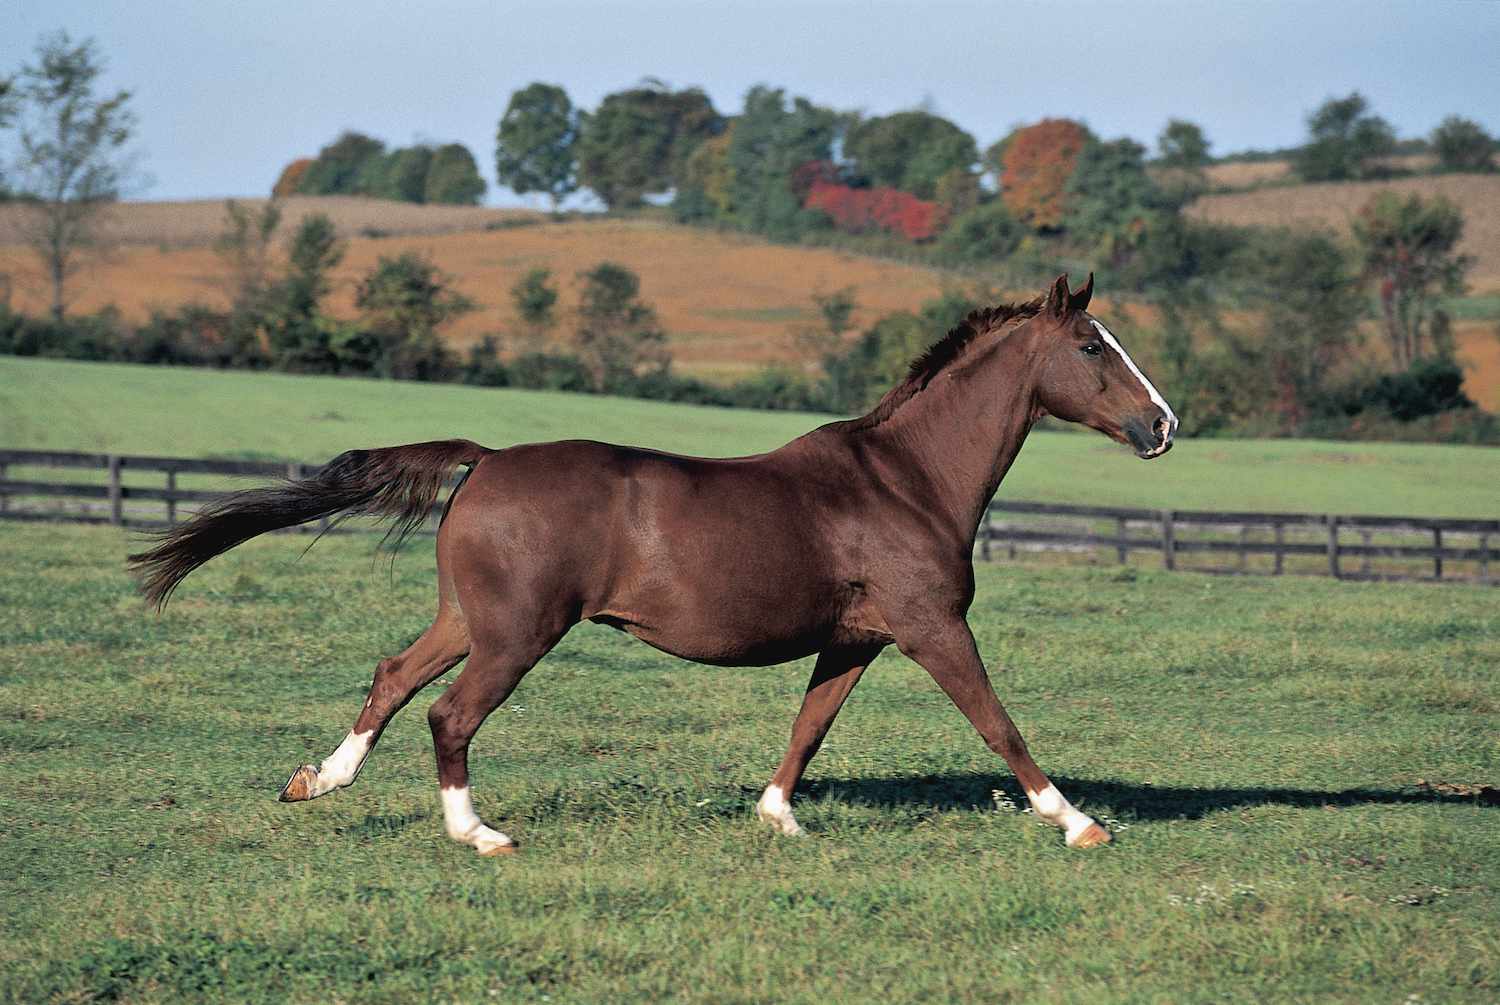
(491, 850)
(301, 786)
(1091, 836)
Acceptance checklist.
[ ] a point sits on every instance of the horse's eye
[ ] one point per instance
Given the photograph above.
(1092, 349)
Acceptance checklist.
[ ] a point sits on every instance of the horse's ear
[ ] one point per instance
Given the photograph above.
(1080, 301)
(1058, 297)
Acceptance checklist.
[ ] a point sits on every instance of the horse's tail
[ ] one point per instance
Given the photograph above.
(395, 483)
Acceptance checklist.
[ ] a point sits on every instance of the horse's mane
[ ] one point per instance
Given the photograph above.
(944, 351)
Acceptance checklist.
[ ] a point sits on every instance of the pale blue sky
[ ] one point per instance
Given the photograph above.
(227, 93)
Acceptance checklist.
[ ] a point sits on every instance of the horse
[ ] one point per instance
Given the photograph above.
(853, 537)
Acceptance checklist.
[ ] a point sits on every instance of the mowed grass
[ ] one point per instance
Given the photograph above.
(1258, 745)
(46, 404)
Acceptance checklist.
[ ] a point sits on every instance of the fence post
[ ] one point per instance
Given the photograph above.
(1333, 547)
(171, 495)
(988, 534)
(1122, 548)
(1484, 558)
(1244, 537)
(116, 509)
(1437, 553)
(1168, 541)
(1364, 560)
(1280, 534)
(4, 497)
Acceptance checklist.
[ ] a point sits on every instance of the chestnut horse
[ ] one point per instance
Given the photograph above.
(855, 536)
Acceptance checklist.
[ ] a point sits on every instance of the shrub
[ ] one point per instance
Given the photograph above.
(984, 234)
(1463, 145)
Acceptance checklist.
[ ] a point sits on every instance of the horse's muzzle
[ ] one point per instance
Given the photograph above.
(1151, 436)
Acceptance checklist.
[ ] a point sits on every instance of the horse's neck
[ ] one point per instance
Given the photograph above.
(963, 431)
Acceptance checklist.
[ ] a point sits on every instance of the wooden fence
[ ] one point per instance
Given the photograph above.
(1345, 547)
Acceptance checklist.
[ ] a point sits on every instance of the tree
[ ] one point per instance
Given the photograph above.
(1463, 145)
(705, 189)
(1343, 141)
(619, 337)
(1311, 304)
(534, 144)
(245, 248)
(1039, 161)
(340, 165)
(909, 151)
(1408, 249)
(403, 302)
(72, 163)
(535, 300)
(769, 142)
(453, 177)
(638, 141)
(1110, 200)
(1182, 145)
(289, 182)
(404, 175)
(299, 337)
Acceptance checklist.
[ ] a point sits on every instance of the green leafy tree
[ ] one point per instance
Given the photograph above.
(705, 189)
(403, 302)
(1311, 302)
(1463, 145)
(405, 174)
(771, 139)
(1344, 141)
(909, 151)
(534, 143)
(300, 337)
(618, 338)
(72, 163)
(824, 341)
(245, 248)
(1182, 145)
(638, 141)
(535, 301)
(1409, 250)
(1111, 201)
(340, 166)
(453, 177)
(985, 234)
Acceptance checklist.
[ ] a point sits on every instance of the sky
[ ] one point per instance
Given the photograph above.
(228, 92)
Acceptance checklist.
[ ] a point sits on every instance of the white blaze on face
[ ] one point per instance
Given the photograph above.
(1151, 390)
(464, 825)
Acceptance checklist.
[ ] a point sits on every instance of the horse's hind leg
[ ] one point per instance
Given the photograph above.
(492, 673)
(397, 680)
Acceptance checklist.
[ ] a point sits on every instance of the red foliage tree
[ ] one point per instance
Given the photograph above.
(862, 210)
(291, 178)
(1039, 160)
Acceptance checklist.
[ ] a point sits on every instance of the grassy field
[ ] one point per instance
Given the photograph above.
(1283, 762)
(179, 412)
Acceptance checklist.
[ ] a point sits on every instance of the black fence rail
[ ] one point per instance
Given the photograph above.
(1342, 546)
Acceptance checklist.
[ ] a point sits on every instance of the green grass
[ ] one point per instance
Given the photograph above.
(1257, 744)
(158, 410)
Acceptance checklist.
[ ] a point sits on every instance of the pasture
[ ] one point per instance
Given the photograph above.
(1285, 764)
(178, 412)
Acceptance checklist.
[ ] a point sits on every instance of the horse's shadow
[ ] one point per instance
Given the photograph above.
(1135, 800)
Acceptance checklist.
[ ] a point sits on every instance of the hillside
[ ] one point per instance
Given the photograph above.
(730, 302)
(161, 410)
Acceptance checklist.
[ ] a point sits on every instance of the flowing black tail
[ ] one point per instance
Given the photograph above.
(397, 483)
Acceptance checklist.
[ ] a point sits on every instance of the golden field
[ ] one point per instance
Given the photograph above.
(1333, 205)
(730, 302)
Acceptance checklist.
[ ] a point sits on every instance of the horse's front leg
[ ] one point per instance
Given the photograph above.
(947, 652)
(837, 671)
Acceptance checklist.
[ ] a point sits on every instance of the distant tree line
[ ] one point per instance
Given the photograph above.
(356, 164)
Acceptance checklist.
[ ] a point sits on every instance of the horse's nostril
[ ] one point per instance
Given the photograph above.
(1159, 427)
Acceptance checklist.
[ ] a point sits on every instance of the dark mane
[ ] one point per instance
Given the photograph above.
(947, 349)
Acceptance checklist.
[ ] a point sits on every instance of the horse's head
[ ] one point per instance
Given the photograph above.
(1084, 375)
